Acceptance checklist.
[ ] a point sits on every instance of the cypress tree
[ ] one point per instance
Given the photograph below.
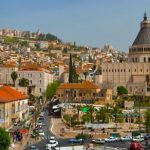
(73, 77)
(70, 70)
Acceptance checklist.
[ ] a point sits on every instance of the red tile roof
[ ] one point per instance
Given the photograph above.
(8, 94)
(83, 85)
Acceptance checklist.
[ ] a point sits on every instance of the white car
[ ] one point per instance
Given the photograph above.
(51, 143)
(126, 138)
(98, 141)
(111, 139)
(138, 138)
(41, 132)
(42, 114)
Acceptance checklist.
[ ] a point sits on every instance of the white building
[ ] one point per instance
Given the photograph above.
(38, 78)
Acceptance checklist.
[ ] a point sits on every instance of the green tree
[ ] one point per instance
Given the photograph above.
(122, 90)
(147, 121)
(116, 112)
(4, 139)
(23, 82)
(14, 77)
(51, 89)
(91, 111)
(73, 77)
(86, 118)
(102, 114)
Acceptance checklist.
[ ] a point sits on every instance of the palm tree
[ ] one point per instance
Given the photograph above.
(116, 112)
(78, 110)
(91, 111)
(14, 77)
(102, 114)
(23, 82)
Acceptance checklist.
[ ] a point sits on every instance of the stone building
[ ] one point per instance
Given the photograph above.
(134, 74)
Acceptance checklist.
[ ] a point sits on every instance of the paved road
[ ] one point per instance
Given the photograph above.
(64, 142)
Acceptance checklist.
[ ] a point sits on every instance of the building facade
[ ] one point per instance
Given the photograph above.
(134, 74)
(75, 92)
(13, 106)
(38, 78)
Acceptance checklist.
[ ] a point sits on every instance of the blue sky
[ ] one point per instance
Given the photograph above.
(88, 22)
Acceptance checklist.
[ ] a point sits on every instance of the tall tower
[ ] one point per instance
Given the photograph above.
(140, 49)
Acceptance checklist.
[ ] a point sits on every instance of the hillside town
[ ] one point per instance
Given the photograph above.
(56, 94)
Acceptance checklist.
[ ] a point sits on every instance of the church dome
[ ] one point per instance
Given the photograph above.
(143, 37)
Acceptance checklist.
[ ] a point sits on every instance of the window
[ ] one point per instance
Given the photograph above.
(129, 70)
(135, 59)
(124, 70)
(40, 81)
(134, 70)
(80, 94)
(148, 59)
(40, 90)
(141, 70)
(40, 75)
(112, 70)
(144, 59)
(31, 75)
(30, 81)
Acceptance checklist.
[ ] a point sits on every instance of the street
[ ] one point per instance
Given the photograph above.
(41, 145)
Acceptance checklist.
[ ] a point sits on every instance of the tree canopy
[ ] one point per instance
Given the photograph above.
(48, 36)
(147, 120)
(73, 76)
(14, 76)
(122, 90)
(4, 139)
(51, 89)
(23, 82)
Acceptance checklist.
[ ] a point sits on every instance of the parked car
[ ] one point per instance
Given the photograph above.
(147, 136)
(77, 141)
(138, 138)
(41, 132)
(42, 114)
(33, 147)
(126, 138)
(41, 119)
(40, 123)
(111, 139)
(98, 141)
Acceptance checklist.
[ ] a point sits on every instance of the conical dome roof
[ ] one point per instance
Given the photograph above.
(143, 37)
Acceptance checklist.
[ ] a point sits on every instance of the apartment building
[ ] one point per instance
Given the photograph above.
(38, 78)
(13, 106)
